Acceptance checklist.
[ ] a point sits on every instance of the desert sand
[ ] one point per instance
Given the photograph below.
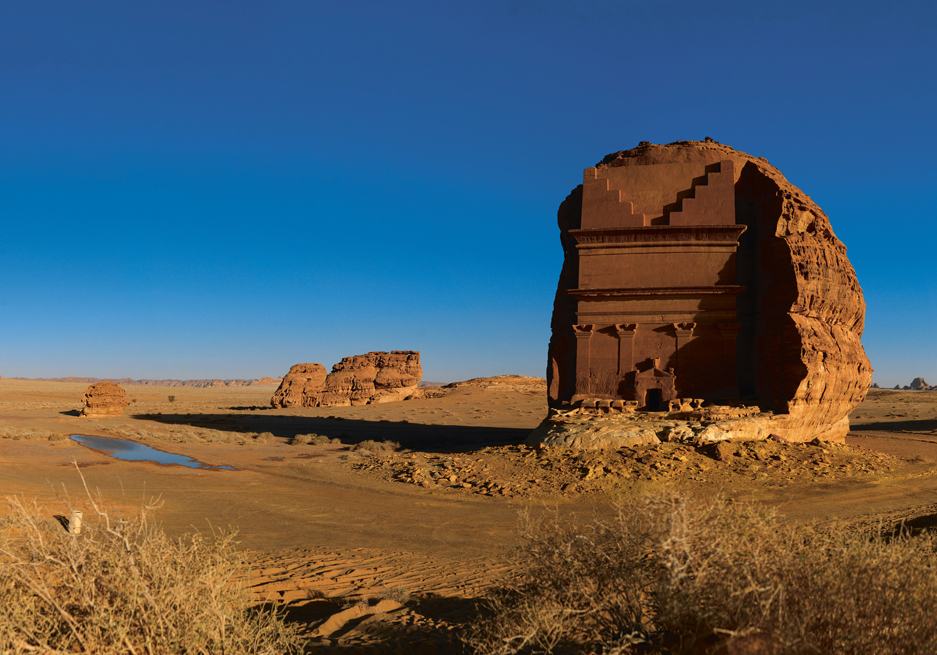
(429, 527)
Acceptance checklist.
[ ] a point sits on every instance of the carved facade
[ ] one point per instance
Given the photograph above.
(695, 271)
(656, 295)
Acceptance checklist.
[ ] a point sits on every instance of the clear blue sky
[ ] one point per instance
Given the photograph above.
(223, 189)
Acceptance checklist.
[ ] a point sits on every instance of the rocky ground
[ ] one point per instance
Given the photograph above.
(534, 471)
(375, 549)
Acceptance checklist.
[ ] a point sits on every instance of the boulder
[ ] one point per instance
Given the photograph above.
(692, 269)
(375, 377)
(300, 387)
(104, 399)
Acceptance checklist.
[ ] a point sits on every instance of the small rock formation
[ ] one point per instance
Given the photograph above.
(918, 384)
(300, 387)
(695, 270)
(104, 399)
(376, 377)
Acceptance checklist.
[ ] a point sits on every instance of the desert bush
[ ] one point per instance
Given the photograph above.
(263, 437)
(171, 399)
(670, 575)
(376, 446)
(123, 586)
(31, 434)
(312, 440)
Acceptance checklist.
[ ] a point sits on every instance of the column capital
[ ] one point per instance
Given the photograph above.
(684, 329)
(583, 331)
(625, 330)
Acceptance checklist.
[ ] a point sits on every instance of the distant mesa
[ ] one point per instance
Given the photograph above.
(375, 377)
(919, 384)
(104, 399)
(696, 276)
(521, 382)
(163, 383)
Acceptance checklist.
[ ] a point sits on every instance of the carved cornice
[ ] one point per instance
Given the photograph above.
(659, 235)
(659, 292)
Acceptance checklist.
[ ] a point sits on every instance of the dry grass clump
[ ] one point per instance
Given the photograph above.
(313, 440)
(123, 586)
(183, 434)
(376, 446)
(31, 434)
(675, 576)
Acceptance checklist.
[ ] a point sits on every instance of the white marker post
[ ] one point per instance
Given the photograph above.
(74, 522)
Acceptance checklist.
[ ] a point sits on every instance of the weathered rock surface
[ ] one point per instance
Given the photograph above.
(800, 310)
(104, 399)
(596, 428)
(300, 387)
(375, 377)
(919, 384)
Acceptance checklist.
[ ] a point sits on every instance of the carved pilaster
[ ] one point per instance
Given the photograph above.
(583, 358)
(683, 334)
(625, 332)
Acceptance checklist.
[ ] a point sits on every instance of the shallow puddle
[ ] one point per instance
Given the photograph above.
(136, 452)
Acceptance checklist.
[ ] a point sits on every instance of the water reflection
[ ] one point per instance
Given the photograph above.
(136, 452)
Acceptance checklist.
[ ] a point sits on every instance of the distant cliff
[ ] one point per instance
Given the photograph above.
(164, 383)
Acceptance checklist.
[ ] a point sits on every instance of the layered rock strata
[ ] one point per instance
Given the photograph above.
(695, 270)
(375, 377)
(300, 387)
(104, 399)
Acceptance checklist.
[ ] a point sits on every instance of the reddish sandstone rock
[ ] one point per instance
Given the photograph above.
(300, 387)
(702, 269)
(104, 399)
(376, 377)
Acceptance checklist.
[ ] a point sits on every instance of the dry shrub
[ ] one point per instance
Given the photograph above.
(376, 446)
(264, 437)
(31, 434)
(674, 576)
(123, 586)
(312, 440)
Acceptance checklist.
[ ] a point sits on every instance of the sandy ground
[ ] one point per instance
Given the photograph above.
(419, 533)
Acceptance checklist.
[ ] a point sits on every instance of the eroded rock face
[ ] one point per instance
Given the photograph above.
(300, 387)
(376, 377)
(104, 399)
(700, 262)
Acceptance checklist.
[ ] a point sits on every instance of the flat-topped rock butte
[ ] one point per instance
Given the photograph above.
(700, 286)
(375, 377)
(104, 399)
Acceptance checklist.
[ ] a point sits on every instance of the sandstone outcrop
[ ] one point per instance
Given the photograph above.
(104, 399)
(695, 270)
(300, 387)
(376, 377)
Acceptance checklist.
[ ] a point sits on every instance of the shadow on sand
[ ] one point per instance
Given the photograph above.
(415, 632)
(413, 436)
(912, 425)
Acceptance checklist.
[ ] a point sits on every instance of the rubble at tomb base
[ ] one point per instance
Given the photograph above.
(104, 399)
(599, 423)
(375, 377)
(693, 270)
